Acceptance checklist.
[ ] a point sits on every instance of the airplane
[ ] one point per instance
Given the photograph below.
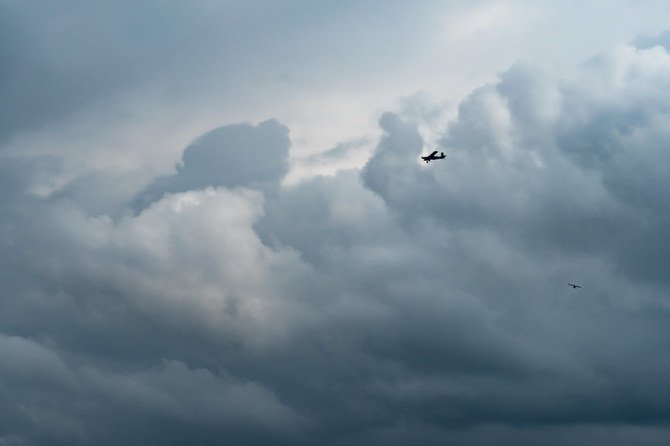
(574, 286)
(432, 157)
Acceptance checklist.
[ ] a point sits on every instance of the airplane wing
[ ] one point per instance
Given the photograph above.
(432, 154)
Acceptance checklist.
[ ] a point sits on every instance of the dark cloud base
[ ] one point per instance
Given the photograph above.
(400, 304)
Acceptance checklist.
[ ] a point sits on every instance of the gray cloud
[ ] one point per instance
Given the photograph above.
(231, 156)
(398, 304)
(65, 63)
(51, 402)
(81, 58)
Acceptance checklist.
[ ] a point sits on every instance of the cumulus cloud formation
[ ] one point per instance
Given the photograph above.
(400, 303)
(231, 156)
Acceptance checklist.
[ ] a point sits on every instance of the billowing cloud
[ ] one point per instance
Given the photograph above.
(49, 401)
(231, 156)
(400, 303)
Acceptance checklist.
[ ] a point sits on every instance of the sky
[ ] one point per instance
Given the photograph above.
(215, 227)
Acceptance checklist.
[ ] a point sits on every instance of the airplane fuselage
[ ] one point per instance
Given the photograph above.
(433, 157)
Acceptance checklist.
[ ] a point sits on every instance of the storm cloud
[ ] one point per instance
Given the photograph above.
(396, 303)
(231, 156)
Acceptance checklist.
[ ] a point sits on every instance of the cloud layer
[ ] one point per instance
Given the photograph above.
(401, 303)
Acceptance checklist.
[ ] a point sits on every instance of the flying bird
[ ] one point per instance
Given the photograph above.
(574, 286)
(432, 157)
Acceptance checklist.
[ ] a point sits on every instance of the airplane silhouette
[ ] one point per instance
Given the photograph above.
(432, 157)
(574, 286)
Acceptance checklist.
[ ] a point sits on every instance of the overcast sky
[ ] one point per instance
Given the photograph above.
(215, 227)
